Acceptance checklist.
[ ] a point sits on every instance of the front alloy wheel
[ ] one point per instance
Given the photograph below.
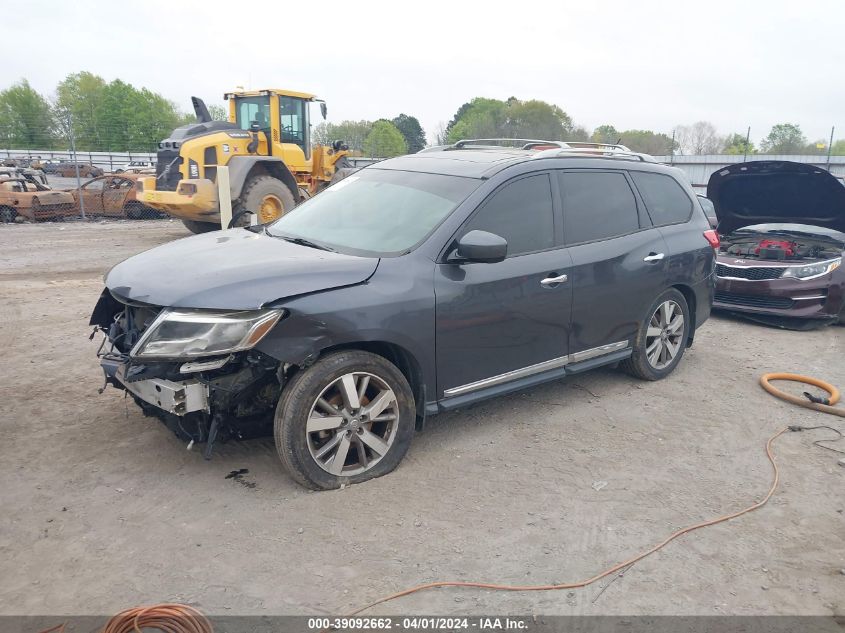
(346, 419)
(352, 424)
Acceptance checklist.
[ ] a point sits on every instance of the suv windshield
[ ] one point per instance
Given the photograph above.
(375, 211)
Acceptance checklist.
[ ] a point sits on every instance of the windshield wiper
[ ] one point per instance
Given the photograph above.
(305, 242)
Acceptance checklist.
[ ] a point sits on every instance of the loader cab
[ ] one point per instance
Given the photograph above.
(281, 119)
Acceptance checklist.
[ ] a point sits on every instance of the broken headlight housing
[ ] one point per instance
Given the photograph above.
(180, 333)
(811, 271)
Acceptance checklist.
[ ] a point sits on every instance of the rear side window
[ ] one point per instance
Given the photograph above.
(665, 199)
(596, 206)
(522, 213)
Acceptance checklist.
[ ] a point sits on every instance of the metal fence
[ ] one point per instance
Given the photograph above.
(107, 161)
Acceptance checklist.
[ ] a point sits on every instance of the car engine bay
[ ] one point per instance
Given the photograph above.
(779, 246)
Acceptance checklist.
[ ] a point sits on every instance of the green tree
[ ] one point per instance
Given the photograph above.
(838, 148)
(735, 144)
(384, 141)
(412, 131)
(785, 138)
(605, 134)
(533, 119)
(218, 112)
(77, 102)
(647, 142)
(26, 119)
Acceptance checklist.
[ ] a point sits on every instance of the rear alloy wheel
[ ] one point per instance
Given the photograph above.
(346, 419)
(662, 338)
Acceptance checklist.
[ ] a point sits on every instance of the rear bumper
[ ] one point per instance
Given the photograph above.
(202, 206)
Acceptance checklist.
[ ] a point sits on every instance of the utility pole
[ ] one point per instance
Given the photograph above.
(747, 141)
(672, 149)
(830, 146)
(75, 163)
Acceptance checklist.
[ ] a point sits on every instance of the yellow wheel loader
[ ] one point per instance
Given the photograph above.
(265, 144)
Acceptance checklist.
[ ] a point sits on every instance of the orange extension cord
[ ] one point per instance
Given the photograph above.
(764, 382)
(179, 618)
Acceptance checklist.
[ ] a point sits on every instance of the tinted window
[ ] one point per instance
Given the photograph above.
(597, 205)
(665, 199)
(522, 213)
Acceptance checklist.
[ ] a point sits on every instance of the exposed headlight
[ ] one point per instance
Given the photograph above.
(810, 271)
(191, 333)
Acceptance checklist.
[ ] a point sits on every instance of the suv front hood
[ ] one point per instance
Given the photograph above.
(236, 269)
(760, 192)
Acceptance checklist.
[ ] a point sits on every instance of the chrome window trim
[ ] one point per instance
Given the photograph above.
(530, 370)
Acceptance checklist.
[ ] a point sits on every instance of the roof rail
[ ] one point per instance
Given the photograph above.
(551, 149)
(516, 143)
(575, 152)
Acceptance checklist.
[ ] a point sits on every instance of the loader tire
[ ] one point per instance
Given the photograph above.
(200, 227)
(267, 197)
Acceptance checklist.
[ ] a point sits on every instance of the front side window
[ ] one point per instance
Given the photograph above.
(375, 212)
(596, 206)
(522, 213)
(253, 109)
(665, 199)
(292, 113)
(95, 185)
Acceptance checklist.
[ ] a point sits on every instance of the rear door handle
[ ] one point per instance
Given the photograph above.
(653, 257)
(553, 281)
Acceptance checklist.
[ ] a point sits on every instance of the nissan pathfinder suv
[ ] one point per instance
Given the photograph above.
(417, 285)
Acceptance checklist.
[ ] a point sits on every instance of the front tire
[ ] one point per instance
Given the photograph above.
(346, 419)
(267, 197)
(662, 338)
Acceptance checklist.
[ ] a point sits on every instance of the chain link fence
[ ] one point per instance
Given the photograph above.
(54, 186)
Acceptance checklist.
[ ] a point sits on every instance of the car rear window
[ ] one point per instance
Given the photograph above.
(665, 199)
(596, 206)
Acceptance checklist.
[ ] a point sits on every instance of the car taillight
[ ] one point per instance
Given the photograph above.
(712, 238)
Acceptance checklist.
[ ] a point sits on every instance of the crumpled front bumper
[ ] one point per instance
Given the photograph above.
(178, 398)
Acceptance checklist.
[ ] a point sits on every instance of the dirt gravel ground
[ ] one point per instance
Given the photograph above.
(103, 509)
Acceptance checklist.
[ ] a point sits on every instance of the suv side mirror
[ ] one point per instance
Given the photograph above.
(482, 247)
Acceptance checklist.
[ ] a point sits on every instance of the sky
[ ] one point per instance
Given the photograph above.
(637, 64)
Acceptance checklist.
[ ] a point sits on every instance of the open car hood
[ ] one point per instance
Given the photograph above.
(236, 269)
(759, 192)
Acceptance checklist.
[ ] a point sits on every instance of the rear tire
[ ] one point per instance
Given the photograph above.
(267, 197)
(200, 227)
(662, 338)
(372, 445)
(134, 211)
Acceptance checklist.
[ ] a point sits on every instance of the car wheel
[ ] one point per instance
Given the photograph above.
(7, 214)
(346, 419)
(200, 227)
(662, 338)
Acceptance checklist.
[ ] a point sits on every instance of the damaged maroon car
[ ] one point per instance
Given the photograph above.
(782, 229)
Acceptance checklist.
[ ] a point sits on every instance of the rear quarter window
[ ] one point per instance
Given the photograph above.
(665, 199)
(597, 206)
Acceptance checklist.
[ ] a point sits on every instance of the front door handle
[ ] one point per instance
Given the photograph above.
(553, 281)
(653, 257)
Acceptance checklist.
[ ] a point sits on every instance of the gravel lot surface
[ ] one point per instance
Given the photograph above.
(103, 509)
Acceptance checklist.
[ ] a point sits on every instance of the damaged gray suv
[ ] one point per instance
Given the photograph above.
(415, 286)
